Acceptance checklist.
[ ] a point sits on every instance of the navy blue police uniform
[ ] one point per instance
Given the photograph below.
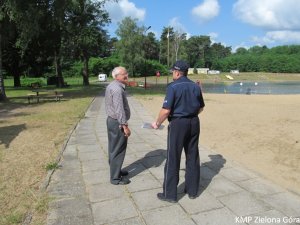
(184, 100)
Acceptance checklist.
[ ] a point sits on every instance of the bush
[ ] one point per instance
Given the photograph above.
(26, 82)
(96, 66)
(152, 66)
(75, 69)
(103, 65)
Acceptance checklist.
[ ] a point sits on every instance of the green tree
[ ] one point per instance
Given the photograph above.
(58, 10)
(86, 19)
(151, 47)
(166, 41)
(197, 47)
(130, 46)
(241, 51)
(3, 17)
(216, 52)
(179, 37)
(2, 89)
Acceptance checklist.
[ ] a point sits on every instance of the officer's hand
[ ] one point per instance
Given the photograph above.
(154, 125)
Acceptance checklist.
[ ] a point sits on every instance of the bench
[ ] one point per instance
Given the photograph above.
(35, 85)
(45, 95)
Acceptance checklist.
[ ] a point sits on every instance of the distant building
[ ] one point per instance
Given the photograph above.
(214, 72)
(234, 71)
(199, 70)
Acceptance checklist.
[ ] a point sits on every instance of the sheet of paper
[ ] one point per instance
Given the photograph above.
(148, 126)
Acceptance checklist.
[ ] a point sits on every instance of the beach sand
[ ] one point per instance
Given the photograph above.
(259, 132)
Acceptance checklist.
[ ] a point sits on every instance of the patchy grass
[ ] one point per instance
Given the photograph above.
(31, 137)
(52, 166)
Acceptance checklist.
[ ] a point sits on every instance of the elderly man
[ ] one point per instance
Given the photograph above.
(118, 114)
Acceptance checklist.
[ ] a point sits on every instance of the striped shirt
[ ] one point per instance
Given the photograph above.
(116, 103)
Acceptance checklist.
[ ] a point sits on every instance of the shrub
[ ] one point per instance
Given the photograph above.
(26, 82)
(152, 66)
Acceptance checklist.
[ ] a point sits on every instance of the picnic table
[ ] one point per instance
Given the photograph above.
(44, 94)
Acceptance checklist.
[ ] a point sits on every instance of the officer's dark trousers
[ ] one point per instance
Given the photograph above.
(117, 144)
(182, 133)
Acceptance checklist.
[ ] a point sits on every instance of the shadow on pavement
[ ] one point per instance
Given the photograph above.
(207, 172)
(155, 158)
(152, 159)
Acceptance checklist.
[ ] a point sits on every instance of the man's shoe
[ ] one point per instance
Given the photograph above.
(124, 173)
(122, 181)
(192, 197)
(161, 197)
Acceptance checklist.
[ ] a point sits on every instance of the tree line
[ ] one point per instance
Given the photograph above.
(41, 38)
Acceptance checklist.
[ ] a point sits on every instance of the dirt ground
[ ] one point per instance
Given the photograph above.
(260, 132)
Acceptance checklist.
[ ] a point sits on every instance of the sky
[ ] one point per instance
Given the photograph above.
(233, 23)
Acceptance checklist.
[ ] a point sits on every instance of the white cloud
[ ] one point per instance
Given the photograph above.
(285, 37)
(206, 11)
(124, 8)
(177, 25)
(213, 36)
(269, 14)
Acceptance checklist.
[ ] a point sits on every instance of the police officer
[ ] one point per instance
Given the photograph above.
(182, 104)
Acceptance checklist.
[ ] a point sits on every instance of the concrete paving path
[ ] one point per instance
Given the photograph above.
(83, 195)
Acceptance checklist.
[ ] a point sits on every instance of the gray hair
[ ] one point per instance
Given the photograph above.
(116, 71)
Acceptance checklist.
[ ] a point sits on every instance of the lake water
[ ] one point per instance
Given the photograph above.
(253, 88)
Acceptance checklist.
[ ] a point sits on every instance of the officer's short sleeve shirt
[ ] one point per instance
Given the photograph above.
(184, 98)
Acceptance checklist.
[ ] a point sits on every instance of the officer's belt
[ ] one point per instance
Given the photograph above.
(185, 117)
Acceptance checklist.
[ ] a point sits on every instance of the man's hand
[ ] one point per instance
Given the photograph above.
(127, 131)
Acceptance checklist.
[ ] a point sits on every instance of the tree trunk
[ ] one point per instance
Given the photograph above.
(85, 72)
(15, 71)
(17, 81)
(58, 71)
(2, 89)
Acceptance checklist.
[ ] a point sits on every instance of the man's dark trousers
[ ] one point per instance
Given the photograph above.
(117, 144)
(182, 133)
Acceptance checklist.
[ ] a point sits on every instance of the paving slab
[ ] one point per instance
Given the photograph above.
(244, 203)
(113, 210)
(220, 186)
(147, 200)
(286, 202)
(143, 182)
(172, 214)
(69, 212)
(216, 217)
(205, 202)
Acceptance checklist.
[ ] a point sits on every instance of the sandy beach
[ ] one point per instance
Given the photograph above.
(260, 132)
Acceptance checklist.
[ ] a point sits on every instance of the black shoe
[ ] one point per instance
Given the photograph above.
(124, 173)
(122, 181)
(190, 196)
(161, 196)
